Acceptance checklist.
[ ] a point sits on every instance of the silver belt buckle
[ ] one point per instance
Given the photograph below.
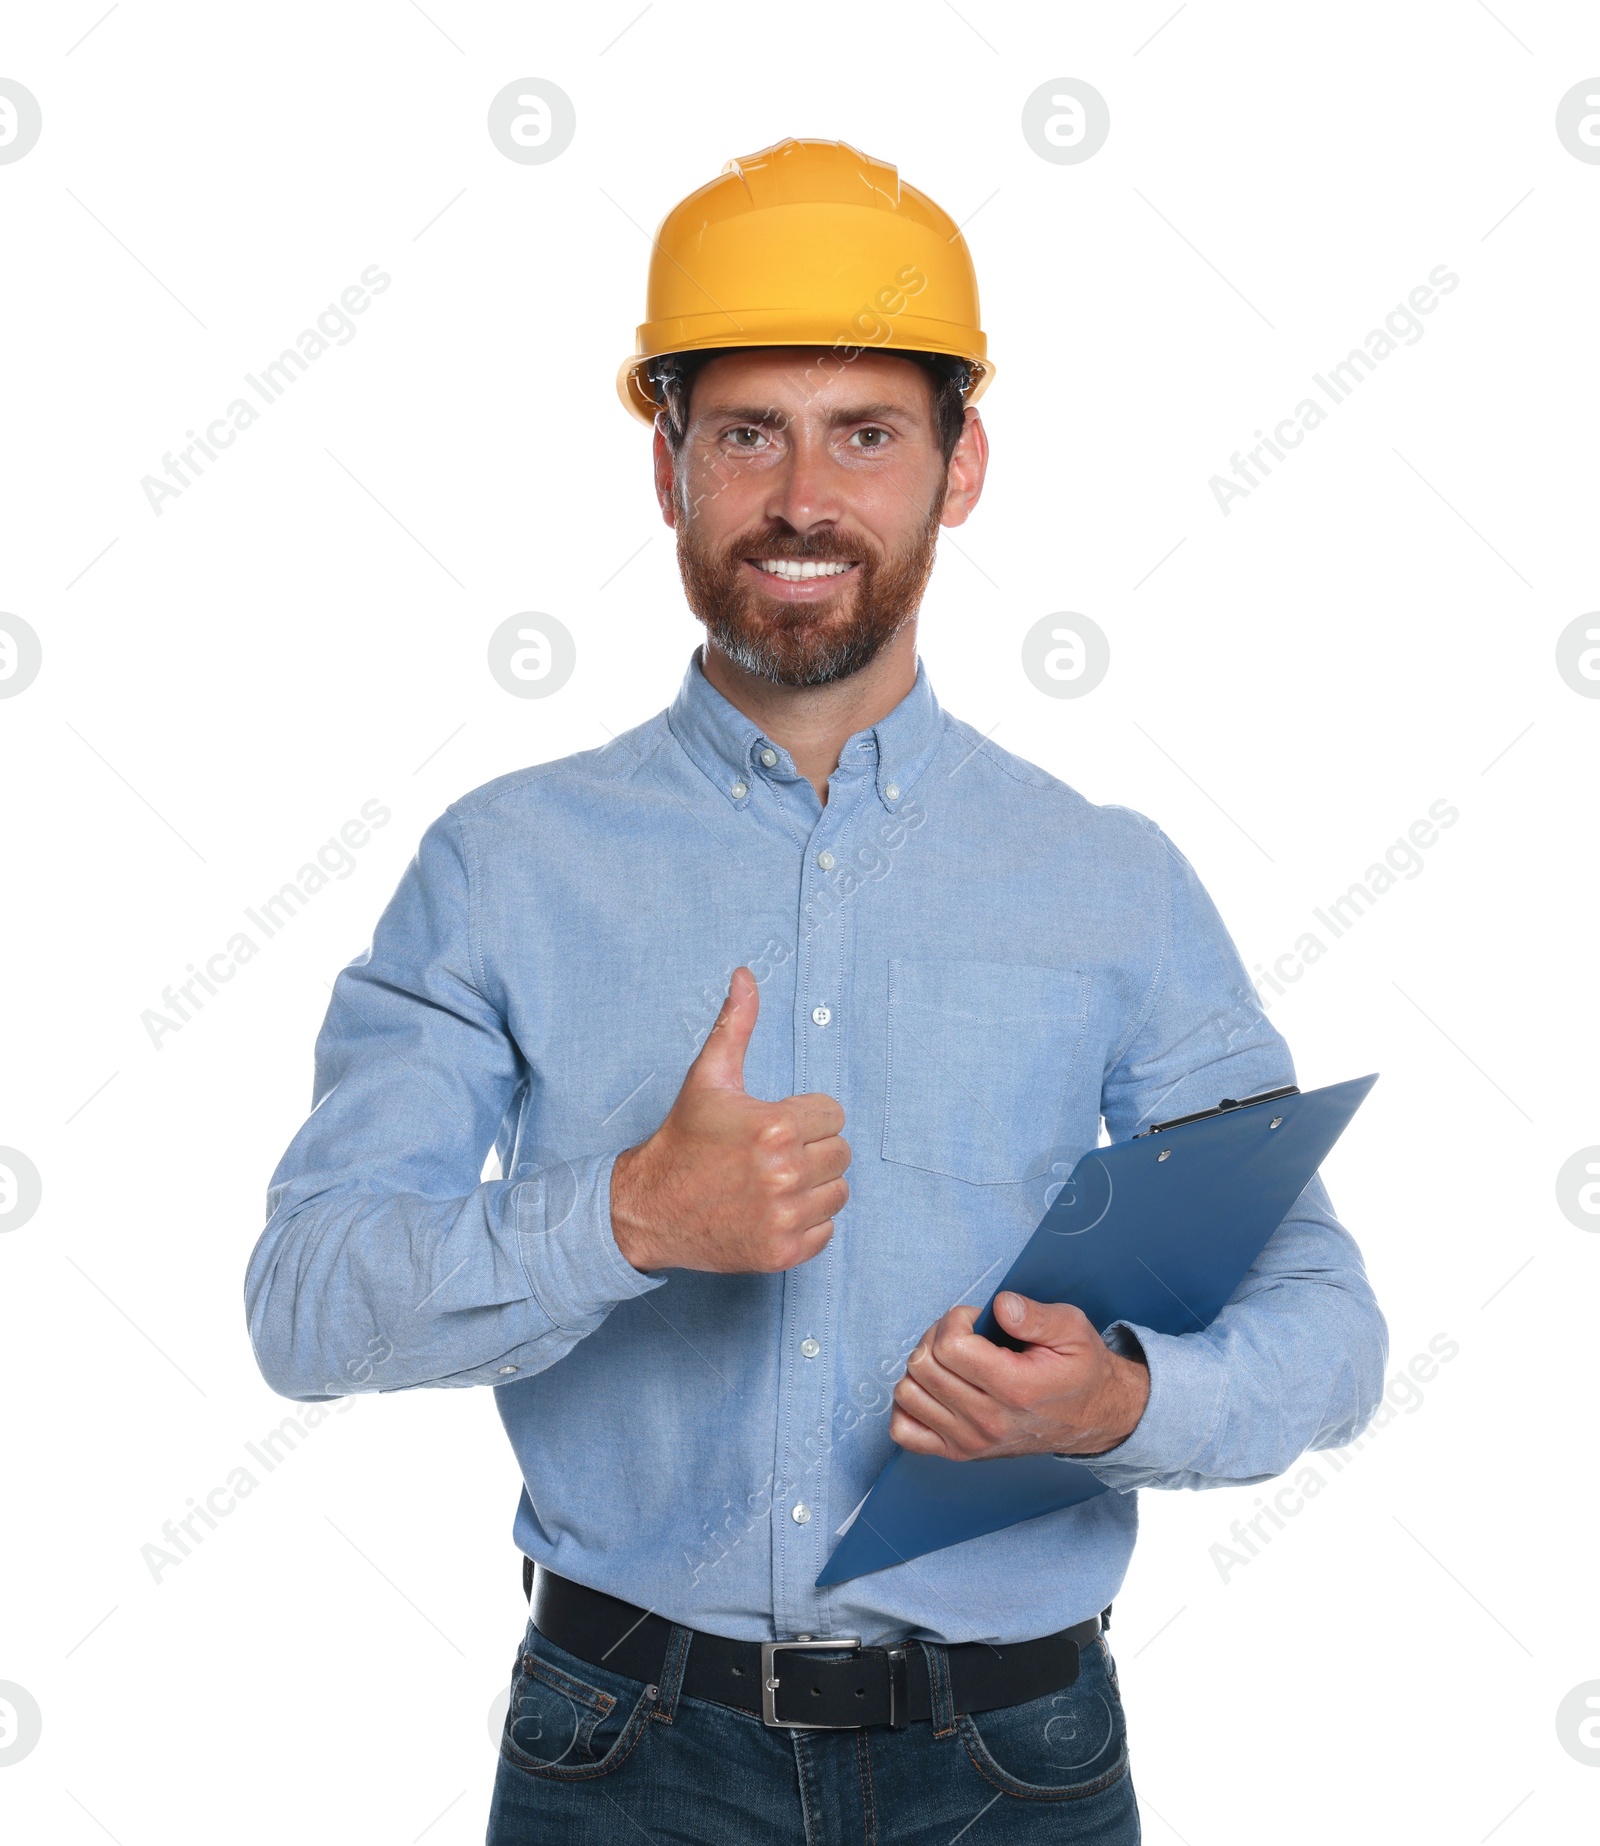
(769, 1680)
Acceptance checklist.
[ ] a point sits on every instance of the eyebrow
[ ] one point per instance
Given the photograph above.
(855, 413)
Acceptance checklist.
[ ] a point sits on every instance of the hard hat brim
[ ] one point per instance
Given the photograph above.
(909, 336)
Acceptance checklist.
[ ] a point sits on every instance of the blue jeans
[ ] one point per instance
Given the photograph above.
(589, 1756)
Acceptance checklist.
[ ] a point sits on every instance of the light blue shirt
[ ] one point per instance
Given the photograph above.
(978, 963)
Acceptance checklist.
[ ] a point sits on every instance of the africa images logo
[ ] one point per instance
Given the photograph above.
(1401, 327)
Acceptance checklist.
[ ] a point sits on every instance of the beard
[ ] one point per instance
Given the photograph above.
(805, 644)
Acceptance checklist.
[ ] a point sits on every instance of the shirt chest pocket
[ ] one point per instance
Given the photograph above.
(981, 1059)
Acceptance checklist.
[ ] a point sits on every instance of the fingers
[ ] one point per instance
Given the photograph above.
(1058, 1325)
(938, 1411)
(812, 1242)
(740, 1185)
(935, 1367)
(908, 1433)
(803, 1133)
(921, 1422)
(817, 1117)
(941, 1399)
(803, 1230)
(805, 1191)
(819, 1204)
(720, 1063)
(825, 1160)
(967, 1373)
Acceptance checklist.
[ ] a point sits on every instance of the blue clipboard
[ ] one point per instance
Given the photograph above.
(1159, 1230)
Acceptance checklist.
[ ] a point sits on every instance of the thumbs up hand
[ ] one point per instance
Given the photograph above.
(727, 1182)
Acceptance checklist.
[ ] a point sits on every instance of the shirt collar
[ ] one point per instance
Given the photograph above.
(731, 750)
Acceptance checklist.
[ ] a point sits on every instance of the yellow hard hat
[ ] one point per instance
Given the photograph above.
(808, 243)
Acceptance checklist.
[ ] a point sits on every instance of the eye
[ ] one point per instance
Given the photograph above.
(748, 429)
(872, 437)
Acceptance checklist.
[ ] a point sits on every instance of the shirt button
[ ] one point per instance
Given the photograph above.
(505, 1370)
(825, 860)
(801, 1513)
(820, 1015)
(810, 1347)
(892, 792)
(739, 790)
(769, 759)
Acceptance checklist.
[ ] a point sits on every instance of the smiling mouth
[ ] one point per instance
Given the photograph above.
(798, 570)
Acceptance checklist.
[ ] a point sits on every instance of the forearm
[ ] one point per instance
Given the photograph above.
(362, 1291)
(1294, 1362)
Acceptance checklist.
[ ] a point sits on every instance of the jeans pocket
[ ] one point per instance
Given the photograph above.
(1062, 1747)
(982, 1057)
(566, 1728)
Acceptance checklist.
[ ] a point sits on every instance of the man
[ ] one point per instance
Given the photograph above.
(801, 924)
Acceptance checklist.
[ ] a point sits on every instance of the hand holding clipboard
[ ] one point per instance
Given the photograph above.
(1159, 1230)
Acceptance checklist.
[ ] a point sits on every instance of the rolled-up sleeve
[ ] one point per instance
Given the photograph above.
(1295, 1360)
(386, 1262)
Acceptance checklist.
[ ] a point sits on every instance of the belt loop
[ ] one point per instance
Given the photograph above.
(677, 1658)
(899, 1690)
(940, 1699)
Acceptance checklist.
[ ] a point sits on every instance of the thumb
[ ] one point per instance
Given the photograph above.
(720, 1064)
(1040, 1323)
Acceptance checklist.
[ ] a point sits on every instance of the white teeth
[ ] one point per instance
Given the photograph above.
(796, 570)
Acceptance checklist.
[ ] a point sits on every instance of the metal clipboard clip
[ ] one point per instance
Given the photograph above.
(1222, 1108)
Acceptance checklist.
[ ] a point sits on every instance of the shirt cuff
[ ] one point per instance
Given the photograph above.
(570, 1256)
(1186, 1390)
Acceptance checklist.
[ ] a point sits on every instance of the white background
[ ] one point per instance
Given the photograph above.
(1370, 631)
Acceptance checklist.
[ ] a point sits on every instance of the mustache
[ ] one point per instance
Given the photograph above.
(821, 548)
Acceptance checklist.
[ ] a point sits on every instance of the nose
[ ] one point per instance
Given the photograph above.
(805, 490)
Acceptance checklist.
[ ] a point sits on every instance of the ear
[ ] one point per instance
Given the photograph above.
(969, 461)
(665, 471)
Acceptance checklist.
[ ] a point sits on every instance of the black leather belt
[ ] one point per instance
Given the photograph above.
(804, 1684)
